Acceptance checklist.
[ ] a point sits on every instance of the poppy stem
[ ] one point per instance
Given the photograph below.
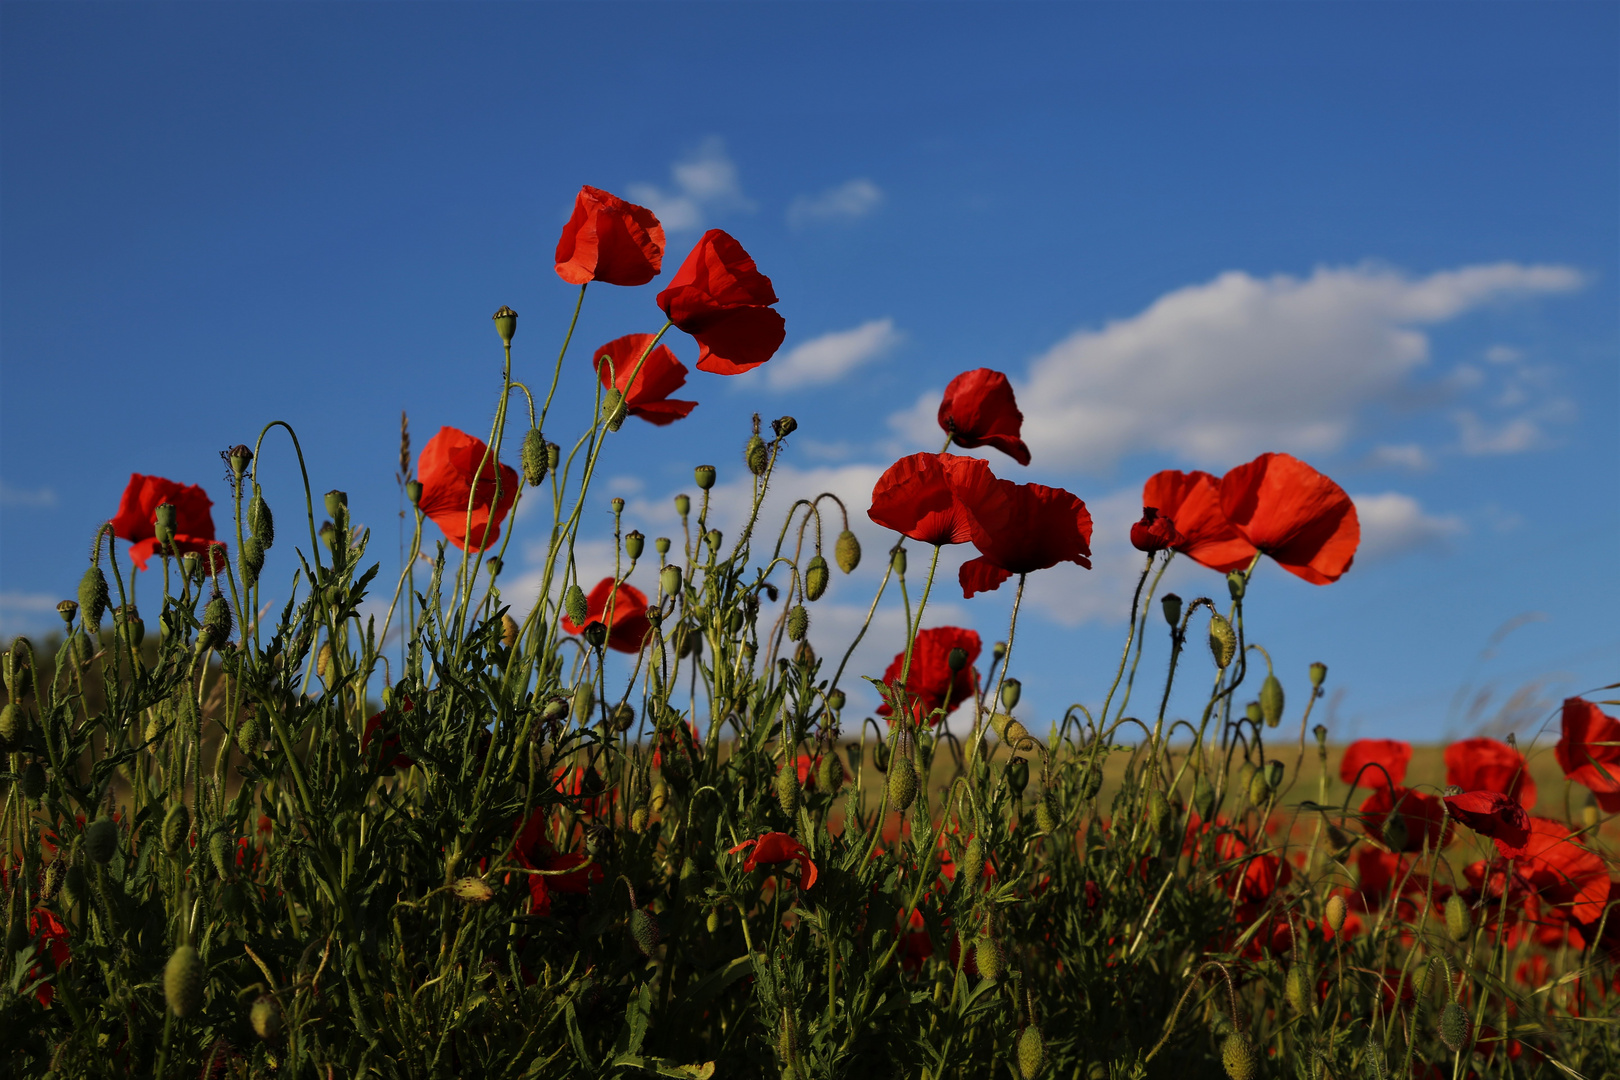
(579, 302)
(1006, 663)
(1130, 634)
(869, 613)
(911, 631)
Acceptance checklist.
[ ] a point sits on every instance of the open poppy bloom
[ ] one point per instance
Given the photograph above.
(534, 851)
(1359, 766)
(1556, 869)
(609, 240)
(1488, 765)
(50, 936)
(388, 747)
(721, 299)
(1293, 513)
(446, 470)
(621, 608)
(1021, 528)
(137, 516)
(776, 847)
(917, 497)
(979, 410)
(1154, 533)
(1492, 814)
(931, 683)
(1192, 500)
(1425, 817)
(646, 392)
(1588, 750)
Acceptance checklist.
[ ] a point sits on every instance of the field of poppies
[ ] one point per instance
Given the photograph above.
(627, 831)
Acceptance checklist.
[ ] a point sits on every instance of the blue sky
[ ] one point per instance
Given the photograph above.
(1382, 237)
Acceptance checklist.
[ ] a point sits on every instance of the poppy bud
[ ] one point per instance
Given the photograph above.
(13, 723)
(784, 426)
(219, 850)
(1158, 808)
(798, 623)
(216, 623)
(1259, 789)
(584, 702)
(176, 827)
(624, 718)
(659, 797)
(1153, 533)
(18, 668)
(265, 1018)
(787, 790)
(183, 978)
(1251, 712)
(1203, 798)
(163, 520)
(1222, 640)
(574, 604)
(1010, 731)
(669, 580)
(337, 503)
(67, 609)
(987, 955)
(1031, 1053)
(505, 323)
(1590, 812)
(472, 890)
(847, 552)
(756, 456)
(1459, 922)
(54, 874)
(1011, 691)
(1396, 833)
(1046, 813)
(998, 650)
(1271, 700)
(1298, 989)
(644, 930)
(1335, 913)
(248, 734)
(250, 559)
(704, 475)
(33, 781)
(614, 410)
(92, 597)
(835, 700)
(1238, 1057)
(638, 820)
(957, 659)
(1091, 779)
(816, 576)
(829, 774)
(1318, 674)
(1455, 1027)
(509, 631)
(533, 458)
(1274, 774)
(75, 886)
(973, 863)
(1321, 733)
(1236, 584)
(323, 662)
(1172, 609)
(1017, 777)
(713, 539)
(101, 840)
(712, 923)
(902, 783)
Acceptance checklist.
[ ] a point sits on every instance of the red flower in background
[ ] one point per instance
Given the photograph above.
(1293, 513)
(137, 515)
(1493, 814)
(660, 375)
(979, 410)
(534, 851)
(1255, 876)
(609, 240)
(1193, 501)
(721, 299)
(1556, 868)
(1424, 814)
(446, 470)
(931, 678)
(776, 847)
(1588, 750)
(1020, 528)
(1154, 533)
(626, 621)
(1358, 766)
(51, 937)
(1487, 765)
(917, 497)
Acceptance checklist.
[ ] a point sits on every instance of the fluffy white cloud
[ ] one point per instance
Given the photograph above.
(704, 182)
(830, 357)
(1393, 524)
(846, 202)
(1217, 372)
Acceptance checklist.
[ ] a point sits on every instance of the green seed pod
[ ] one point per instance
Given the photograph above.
(92, 597)
(1171, 604)
(847, 552)
(176, 828)
(101, 840)
(787, 790)
(13, 724)
(1239, 1057)
(973, 863)
(1031, 1053)
(1236, 584)
(704, 476)
(183, 979)
(574, 603)
(1158, 809)
(584, 702)
(669, 580)
(265, 1018)
(216, 623)
(472, 890)
(1091, 779)
(816, 577)
(614, 410)
(1017, 777)
(798, 623)
(250, 560)
(1046, 813)
(713, 539)
(219, 850)
(988, 956)
(1009, 731)
(505, 323)
(1271, 700)
(163, 521)
(1298, 989)
(1011, 691)
(635, 542)
(1396, 834)
(68, 610)
(829, 774)
(1318, 674)
(644, 930)
(897, 561)
(1222, 640)
(1455, 1027)
(902, 783)
(1459, 920)
(835, 700)
(756, 455)
(33, 781)
(1203, 799)
(261, 521)
(1334, 914)
(413, 492)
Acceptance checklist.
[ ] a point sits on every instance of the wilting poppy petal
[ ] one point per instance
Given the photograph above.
(1424, 814)
(979, 409)
(1493, 814)
(654, 378)
(446, 469)
(720, 297)
(931, 680)
(1488, 765)
(626, 621)
(1293, 513)
(1358, 766)
(609, 240)
(1192, 501)
(917, 498)
(137, 516)
(1154, 532)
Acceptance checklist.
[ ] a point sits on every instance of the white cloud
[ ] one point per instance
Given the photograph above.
(1393, 524)
(1408, 456)
(830, 357)
(704, 183)
(846, 202)
(1504, 354)
(1476, 436)
(1218, 372)
(16, 496)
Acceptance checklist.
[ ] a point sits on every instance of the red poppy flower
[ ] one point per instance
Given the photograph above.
(1193, 502)
(621, 608)
(1424, 814)
(917, 497)
(1493, 814)
(446, 469)
(534, 851)
(1558, 870)
(1293, 513)
(979, 410)
(931, 679)
(388, 747)
(1488, 765)
(660, 375)
(1020, 528)
(1254, 876)
(1154, 533)
(1361, 758)
(721, 299)
(137, 516)
(50, 937)
(1588, 750)
(609, 240)
(776, 847)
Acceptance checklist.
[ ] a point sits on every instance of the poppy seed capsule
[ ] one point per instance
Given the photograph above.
(505, 323)
(798, 623)
(816, 577)
(756, 456)
(101, 840)
(1222, 640)
(67, 609)
(847, 552)
(1335, 913)
(533, 458)
(13, 723)
(1238, 1057)
(92, 597)
(1455, 1027)
(1236, 584)
(1017, 777)
(635, 542)
(1171, 605)
(988, 957)
(835, 700)
(1011, 691)
(902, 783)
(1318, 674)
(1271, 700)
(574, 604)
(1459, 923)
(897, 561)
(1031, 1053)
(163, 519)
(183, 978)
(644, 930)
(1008, 730)
(704, 477)
(265, 1018)
(784, 426)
